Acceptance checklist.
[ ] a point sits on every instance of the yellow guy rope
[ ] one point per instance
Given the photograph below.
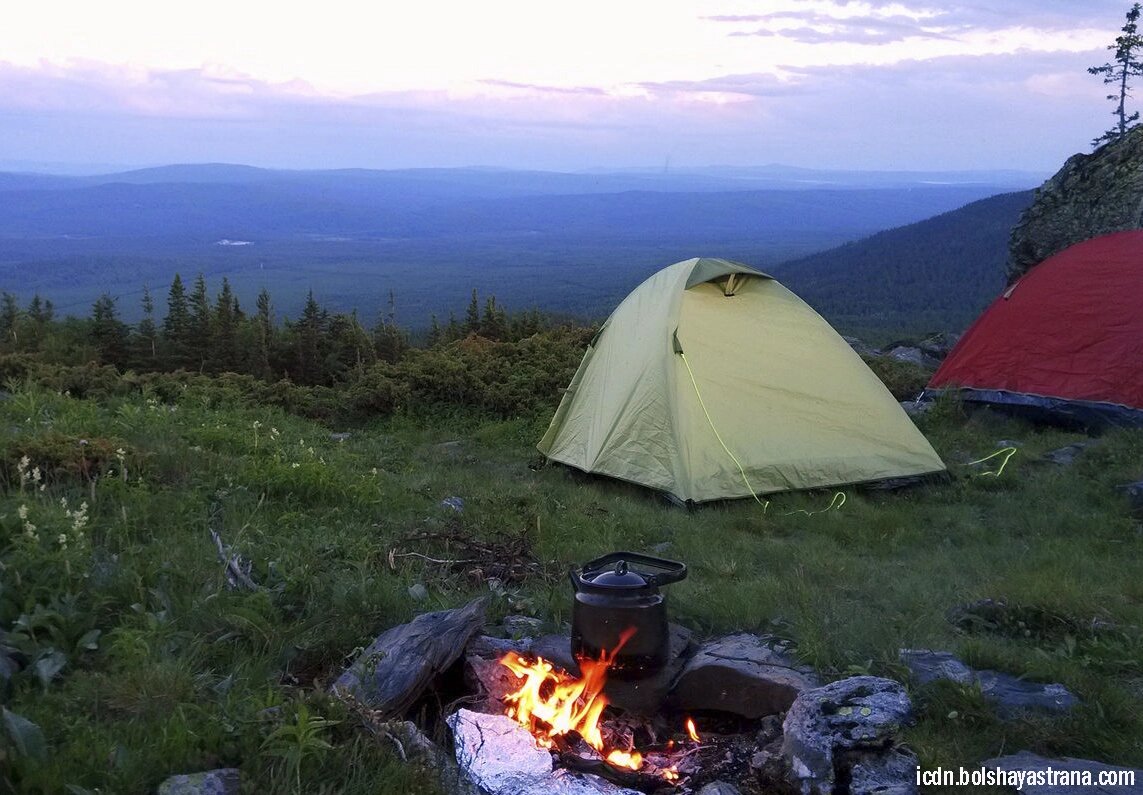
(764, 503)
(1010, 451)
(835, 503)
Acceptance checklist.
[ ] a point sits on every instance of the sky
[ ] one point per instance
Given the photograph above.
(553, 84)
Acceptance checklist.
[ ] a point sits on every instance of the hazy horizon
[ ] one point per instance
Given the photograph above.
(883, 85)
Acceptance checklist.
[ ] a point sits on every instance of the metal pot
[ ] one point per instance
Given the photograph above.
(617, 592)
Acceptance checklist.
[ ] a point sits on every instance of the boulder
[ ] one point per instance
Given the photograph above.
(223, 781)
(1067, 455)
(1091, 195)
(719, 788)
(742, 674)
(909, 354)
(393, 672)
(496, 756)
(891, 772)
(862, 713)
(928, 666)
(1134, 493)
(1068, 778)
(1010, 695)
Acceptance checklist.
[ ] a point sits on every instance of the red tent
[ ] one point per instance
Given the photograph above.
(1067, 338)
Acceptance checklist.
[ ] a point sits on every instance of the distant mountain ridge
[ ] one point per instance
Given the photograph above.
(934, 275)
(571, 243)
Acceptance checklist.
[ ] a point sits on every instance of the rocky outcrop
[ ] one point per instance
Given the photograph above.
(850, 723)
(1092, 195)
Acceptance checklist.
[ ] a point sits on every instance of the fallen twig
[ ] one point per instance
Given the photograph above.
(236, 568)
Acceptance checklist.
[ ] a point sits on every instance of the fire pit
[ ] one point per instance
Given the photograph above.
(563, 712)
(527, 718)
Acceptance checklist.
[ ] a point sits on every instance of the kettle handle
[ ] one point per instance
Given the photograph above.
(667, 571)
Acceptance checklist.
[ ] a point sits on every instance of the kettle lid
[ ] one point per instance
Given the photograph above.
(620, 576)
(629, 572)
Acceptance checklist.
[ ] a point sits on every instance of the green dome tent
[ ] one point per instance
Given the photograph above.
(711, 380)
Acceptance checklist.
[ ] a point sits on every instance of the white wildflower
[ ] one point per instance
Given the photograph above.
(22, 469)
(22, 512)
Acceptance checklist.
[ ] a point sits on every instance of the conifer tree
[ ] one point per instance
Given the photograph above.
(224, 331)
(199, 334)
(1119, 72)
(9, 321)
(389, 341)
(309, 343)
(144, 348)
(108, 333)
(39, 315)
(263, 323)
(472, 316)
(452, 331)
(177, 326)
(493, 323)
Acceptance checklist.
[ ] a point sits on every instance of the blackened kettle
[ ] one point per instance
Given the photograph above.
(617, 595)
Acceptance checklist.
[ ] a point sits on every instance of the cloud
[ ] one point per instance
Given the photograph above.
(880, 23)
(1024, 110)
(545, 89)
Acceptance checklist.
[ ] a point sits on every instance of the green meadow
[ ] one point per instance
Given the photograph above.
(129, 658)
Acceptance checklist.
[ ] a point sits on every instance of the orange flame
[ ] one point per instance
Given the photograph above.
(550, 703)
(692, 732)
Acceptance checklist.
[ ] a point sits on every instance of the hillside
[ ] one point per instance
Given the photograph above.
(430, 235)
(128, 656)
(934, 275)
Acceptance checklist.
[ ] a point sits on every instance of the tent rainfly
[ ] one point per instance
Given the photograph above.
(1064, 342)
(712, 381)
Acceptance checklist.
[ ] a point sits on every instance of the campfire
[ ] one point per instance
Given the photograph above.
(560, 709)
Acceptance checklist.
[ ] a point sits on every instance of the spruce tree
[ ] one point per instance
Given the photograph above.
(263, 323)
(108, 333)
(39, 315)
(9, 321)
(493, 323)
(472, 316)
(224, 331)
(310, 342)
(144, 348)
(177, 326)
(1119, 72)
(199, 335)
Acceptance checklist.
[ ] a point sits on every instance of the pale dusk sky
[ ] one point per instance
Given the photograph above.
(562, 86)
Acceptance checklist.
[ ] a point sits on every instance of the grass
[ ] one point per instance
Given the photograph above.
(139, 662)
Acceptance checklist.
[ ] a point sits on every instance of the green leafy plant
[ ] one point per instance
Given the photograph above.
(297, 742)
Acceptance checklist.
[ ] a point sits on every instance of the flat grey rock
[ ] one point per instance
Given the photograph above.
(742, 674)
(1067, 455)
(929, 666)
(889, 772)
(1009, 694)
(223, 781)
(859, 713)
(719, 788)
(392, 673)
(1069, 775)
(1134, 492)
(498, 757)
